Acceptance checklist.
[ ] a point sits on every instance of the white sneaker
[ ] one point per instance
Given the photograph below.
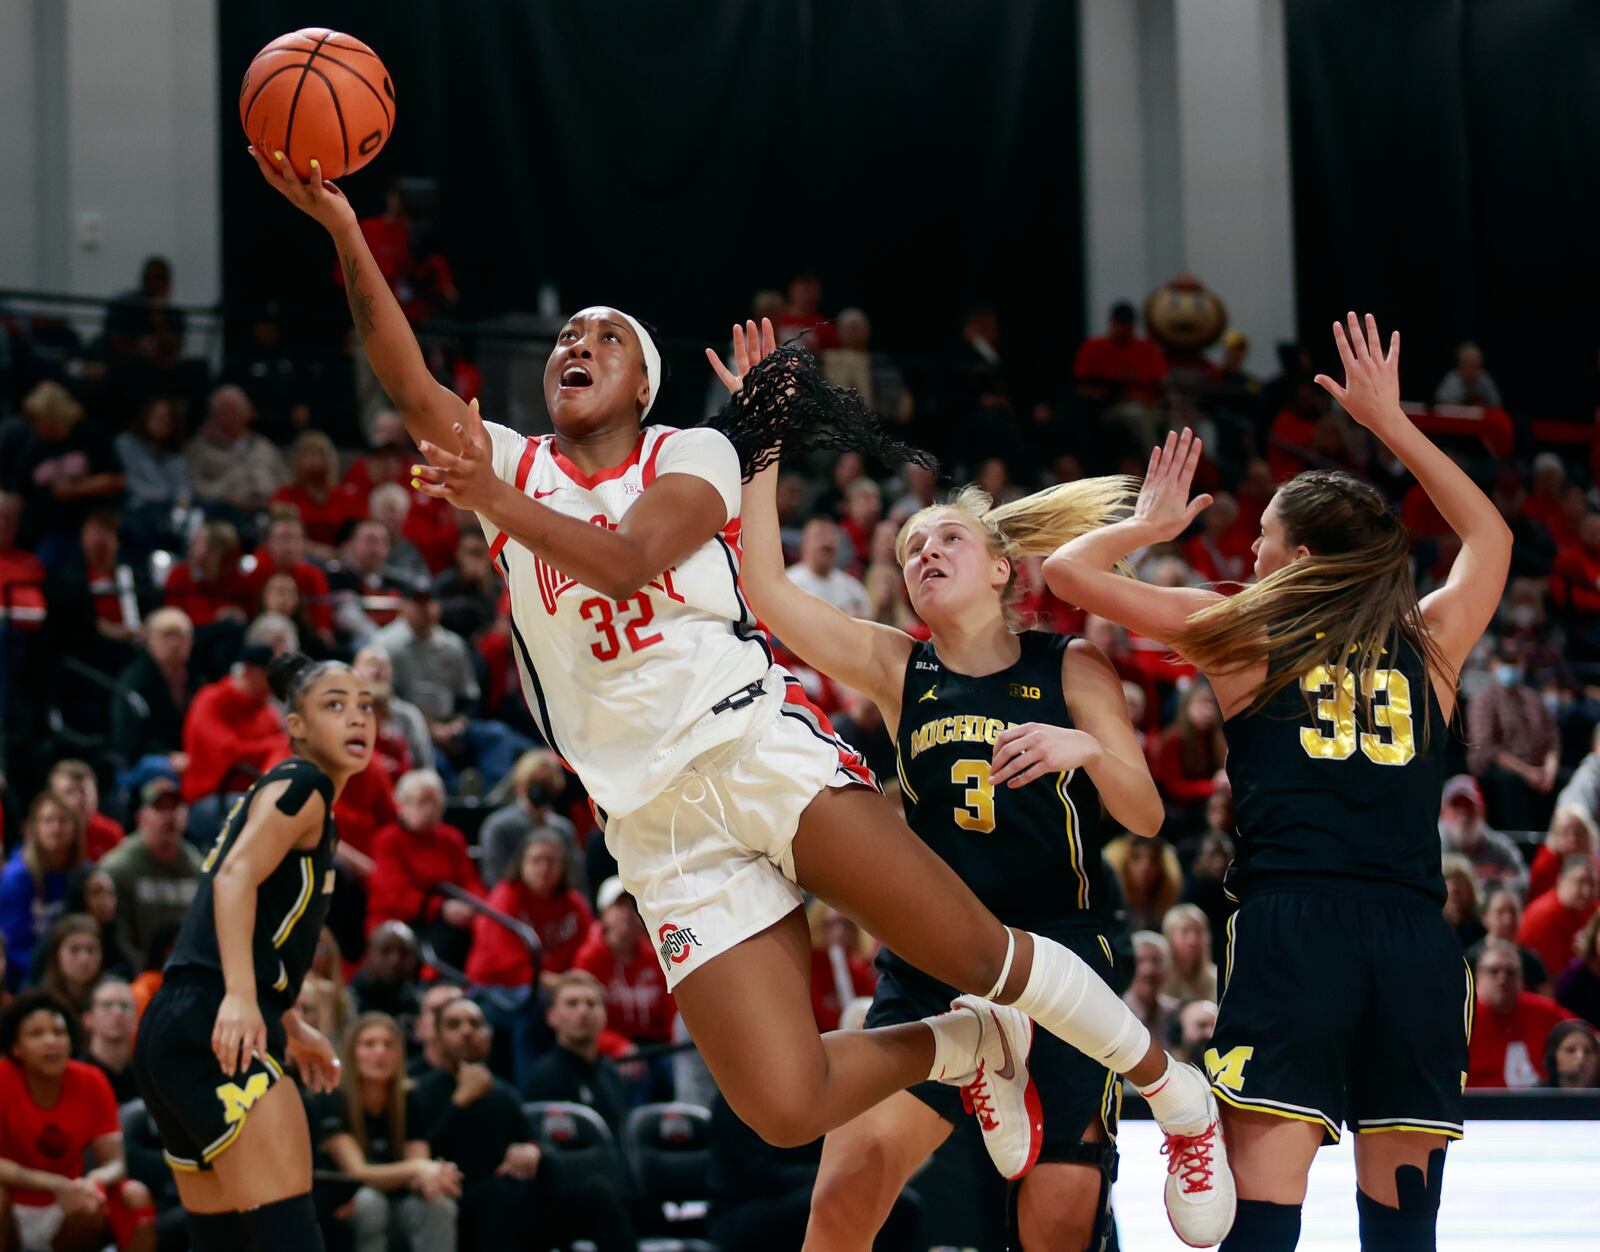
(1200, 1196)
(1001, 1093)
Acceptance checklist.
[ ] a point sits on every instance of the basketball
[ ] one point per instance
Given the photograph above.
(318, 93)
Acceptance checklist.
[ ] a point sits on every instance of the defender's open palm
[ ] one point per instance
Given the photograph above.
(1371, 390)
(1164, 506)
(749, 346)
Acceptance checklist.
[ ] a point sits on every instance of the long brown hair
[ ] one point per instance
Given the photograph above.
(50, 977)
(1035, 525)
(1344, 605)
(1202, 752)
(394, 1099)
(33, 854)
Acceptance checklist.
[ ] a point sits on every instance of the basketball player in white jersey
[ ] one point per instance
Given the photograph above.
(723, 792)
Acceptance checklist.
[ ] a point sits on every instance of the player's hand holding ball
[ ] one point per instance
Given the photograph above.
(322, 201)
(1034, 749)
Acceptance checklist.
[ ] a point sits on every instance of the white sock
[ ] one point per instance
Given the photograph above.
(1179, 1100)
(1069, 1000)
(955, 1044)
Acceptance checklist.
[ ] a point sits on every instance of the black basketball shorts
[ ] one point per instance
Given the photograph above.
(198, 1110)
(1345, 1006)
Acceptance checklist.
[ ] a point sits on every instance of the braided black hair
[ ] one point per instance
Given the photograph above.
(786, 404)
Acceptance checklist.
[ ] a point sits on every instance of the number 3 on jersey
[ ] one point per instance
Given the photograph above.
(1334, 737)
(977, 812)
(600, 611)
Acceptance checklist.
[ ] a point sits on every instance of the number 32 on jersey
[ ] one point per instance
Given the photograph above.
(1335, 737)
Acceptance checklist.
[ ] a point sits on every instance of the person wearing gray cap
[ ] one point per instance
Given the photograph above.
(155, 869)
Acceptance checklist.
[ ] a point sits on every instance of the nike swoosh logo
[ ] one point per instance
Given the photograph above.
(540, 495)
(1008, 1071)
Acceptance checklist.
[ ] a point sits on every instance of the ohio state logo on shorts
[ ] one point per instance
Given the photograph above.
(676, 942)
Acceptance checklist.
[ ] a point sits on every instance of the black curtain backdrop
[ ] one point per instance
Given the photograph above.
(1446, 171)
(674, 156)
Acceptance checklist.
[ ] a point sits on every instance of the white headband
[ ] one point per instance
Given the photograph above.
(652, 357)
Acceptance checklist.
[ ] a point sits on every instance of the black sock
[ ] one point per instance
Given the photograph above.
(1384, 1229)
(286, 1225)
(218, 1232)
(1264, 1227)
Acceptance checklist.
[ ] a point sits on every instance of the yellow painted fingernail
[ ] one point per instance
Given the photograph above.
(416, 482)
(277, 156)
(474, 401)
(314, 164)
(416, 469)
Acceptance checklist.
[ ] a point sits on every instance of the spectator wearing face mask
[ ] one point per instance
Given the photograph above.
(539, 782)
(1464, 831)
(1514, 746)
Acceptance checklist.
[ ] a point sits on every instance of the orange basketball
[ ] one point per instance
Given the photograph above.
(318, 93)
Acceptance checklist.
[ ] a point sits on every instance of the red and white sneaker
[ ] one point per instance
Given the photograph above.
(1001, 1094)
(1200, 1196)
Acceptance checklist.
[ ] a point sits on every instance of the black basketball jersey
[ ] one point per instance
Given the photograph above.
(1320, 793)
(1031, 854)
(291, 904)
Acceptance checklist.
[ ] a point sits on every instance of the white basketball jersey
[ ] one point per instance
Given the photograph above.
(623, 690)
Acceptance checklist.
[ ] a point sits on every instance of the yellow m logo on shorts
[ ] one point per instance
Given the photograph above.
(236, 1100)
(1228, 1070)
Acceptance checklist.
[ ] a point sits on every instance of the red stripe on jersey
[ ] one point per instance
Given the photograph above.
(524, 467)
(851, 761)
(588, 481)
(649, 474)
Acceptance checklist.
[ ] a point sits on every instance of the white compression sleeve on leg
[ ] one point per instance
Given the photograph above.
(1069, 1000)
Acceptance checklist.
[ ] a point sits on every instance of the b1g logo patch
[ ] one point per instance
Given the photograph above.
(1021, 691)
(676, 942)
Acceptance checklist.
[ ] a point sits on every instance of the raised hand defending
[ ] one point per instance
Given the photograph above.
(1164, 507)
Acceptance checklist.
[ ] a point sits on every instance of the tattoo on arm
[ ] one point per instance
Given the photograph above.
(360, 301)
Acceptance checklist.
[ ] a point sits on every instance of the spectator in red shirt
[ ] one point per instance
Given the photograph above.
(1509, 1025)
(841, 967)
(208, 585)
(1220, 552)
(410, 856)
(55, 1113)
(619, 953)
(284, 552)
(1544, 502)
(802, 316)
(1552, 922)
(536, 890)
(232, 733)
(313, 492)
(1572, 830)
(1120, 365)
(74, 782)
(1189, 754)
(22, 574)
(388, 449)
(1575, 577)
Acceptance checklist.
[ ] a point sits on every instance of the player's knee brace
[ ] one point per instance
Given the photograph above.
(1261, 1226)
(218, 1232)
(1103, 1156)
(286, 1224)
(1412, 1226)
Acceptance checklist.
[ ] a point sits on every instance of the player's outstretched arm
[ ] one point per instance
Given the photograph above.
(1458, 612)
(428, 408)
(1083, 571)
(868, 656)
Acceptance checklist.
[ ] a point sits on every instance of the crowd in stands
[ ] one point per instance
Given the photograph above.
(149, 575)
